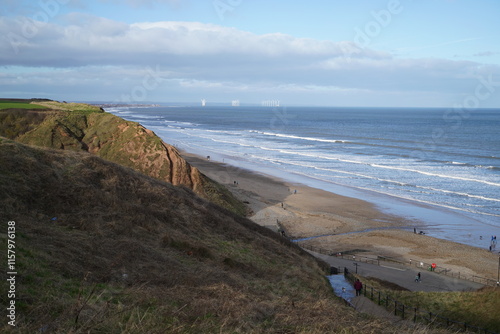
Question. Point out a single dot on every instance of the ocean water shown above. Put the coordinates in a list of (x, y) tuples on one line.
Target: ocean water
[(438, 167)]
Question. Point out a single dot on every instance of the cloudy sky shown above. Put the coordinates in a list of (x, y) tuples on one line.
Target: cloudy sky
[(430, 53)]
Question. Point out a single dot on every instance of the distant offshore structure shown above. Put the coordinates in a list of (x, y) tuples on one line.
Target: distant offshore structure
[(270, 103), (203, 102), (235, 103)]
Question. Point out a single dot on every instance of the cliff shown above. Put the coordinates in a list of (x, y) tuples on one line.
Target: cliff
[(72, 126), (101, 248)]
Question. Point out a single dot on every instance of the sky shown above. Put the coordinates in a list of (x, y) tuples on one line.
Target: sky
[(376, 53)]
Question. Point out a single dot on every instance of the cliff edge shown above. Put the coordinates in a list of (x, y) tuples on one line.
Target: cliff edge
[(76, 126)]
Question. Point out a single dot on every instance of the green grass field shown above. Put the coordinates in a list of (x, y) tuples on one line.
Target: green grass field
[(19, 105), (85, 108)]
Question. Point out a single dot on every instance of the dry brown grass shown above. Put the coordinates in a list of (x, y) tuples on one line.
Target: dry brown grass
[(83, 127), (131, 254)]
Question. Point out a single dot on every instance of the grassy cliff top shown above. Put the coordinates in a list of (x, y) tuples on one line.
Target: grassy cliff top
[(12, 104), (34, 104), (71, 106)]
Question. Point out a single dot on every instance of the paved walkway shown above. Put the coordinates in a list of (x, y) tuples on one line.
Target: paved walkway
[(402, 275), (365, 305)]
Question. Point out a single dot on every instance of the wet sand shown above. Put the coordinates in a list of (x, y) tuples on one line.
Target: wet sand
[(303, 211)]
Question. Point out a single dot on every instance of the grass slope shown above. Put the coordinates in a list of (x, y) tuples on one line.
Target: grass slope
[(16, 122), (131, 254), (479, 308), (78, 126)]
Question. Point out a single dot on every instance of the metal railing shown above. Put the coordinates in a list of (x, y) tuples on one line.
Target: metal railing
[(412, 263), (415, 314)]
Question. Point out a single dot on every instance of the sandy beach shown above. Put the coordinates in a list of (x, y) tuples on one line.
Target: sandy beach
[(344, 223)]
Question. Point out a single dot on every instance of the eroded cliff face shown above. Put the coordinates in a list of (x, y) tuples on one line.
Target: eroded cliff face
[(129, 144)]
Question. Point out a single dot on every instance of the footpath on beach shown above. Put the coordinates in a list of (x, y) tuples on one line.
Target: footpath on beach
[(402, 275)]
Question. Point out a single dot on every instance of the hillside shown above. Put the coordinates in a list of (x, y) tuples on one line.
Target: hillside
[(101, 248), (77, 126)]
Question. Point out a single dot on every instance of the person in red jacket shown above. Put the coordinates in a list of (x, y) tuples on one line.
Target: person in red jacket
[(358, 286)]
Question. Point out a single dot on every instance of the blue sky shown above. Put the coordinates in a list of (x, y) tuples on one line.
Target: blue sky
[(429, 53)]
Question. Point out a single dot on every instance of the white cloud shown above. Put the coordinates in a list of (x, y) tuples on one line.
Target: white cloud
[(84, 37), (91, 52)]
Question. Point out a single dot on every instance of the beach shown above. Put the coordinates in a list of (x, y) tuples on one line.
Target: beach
[(340, 223)]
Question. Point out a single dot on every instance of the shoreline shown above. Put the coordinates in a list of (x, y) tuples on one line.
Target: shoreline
[(437, 221), (341, 223), (434, 218)]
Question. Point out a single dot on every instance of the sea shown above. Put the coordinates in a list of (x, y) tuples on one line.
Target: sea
[(438, 168)]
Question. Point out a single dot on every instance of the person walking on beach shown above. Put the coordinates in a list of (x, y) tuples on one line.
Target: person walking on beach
[(358, 286)]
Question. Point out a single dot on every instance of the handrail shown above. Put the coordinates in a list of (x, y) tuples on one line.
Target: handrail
[(404, 311), (411, 263)]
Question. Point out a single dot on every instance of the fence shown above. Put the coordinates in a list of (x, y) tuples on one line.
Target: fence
[(414, 314), (411, 262)]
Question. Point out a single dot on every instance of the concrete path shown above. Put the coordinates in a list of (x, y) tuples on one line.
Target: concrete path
[(402, 275), (365, 305)]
